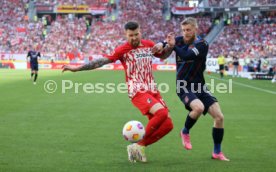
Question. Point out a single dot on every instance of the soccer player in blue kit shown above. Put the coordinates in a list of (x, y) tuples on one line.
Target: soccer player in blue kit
[(33, 55), (191, 52)]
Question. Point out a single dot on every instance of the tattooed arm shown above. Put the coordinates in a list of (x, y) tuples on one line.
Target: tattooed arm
[(89, 66), (167, 51), (163, 50)]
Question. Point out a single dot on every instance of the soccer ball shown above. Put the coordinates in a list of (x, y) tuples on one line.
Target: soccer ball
[(133, 131)]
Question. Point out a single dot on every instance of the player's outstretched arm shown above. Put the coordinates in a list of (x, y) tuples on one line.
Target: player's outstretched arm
[(163, 50), (166, 52), (89, 66)]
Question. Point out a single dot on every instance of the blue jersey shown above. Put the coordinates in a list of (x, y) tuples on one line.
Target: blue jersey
[(33, 56), (191, 60)]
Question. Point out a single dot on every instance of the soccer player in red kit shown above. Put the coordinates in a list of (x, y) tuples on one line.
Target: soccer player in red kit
[(136, 57)]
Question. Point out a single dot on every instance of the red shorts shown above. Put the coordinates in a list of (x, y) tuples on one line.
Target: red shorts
[(144, 101)]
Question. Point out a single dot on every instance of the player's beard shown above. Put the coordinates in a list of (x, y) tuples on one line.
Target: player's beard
[(190, 40), (135, 43)]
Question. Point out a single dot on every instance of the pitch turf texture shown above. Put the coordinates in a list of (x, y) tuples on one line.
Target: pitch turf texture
[(82, 132)]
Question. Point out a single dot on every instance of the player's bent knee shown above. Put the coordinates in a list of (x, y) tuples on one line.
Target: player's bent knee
[(198, 109), (162, 114), (219, 118), (167, 125)]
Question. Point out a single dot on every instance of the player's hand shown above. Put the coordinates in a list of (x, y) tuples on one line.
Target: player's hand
[(157, 48), (171, 39), (69, 68)]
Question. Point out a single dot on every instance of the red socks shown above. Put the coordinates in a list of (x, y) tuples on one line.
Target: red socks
[(158, 126)]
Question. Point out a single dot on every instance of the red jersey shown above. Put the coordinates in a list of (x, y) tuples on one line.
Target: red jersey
[(137, 63)]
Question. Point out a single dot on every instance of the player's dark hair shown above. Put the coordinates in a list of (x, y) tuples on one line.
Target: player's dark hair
[(131, 25)]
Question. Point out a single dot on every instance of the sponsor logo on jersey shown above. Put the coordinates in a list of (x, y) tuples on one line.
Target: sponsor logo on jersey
[(143, 55)]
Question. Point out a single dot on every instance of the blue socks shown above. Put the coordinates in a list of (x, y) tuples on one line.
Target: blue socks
[(217, 148), (189, 123), (185, 131), (217, 138)]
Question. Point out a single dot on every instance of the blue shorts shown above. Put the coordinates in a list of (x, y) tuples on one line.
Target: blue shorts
[(34, 66), (204, 96)]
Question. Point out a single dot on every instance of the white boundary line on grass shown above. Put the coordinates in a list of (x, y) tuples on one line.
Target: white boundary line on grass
[(245, 85)]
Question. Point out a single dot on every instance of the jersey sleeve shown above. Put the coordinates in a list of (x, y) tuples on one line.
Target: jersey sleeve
[(116, 55), (151, 44), (200, 50)]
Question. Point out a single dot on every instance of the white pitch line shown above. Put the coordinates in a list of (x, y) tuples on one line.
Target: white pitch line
[(245, 85)]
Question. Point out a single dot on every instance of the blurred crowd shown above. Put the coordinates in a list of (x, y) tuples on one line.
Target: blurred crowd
[(222, 3), (231, 3), (66, 35), (17, 33), (73, 2), (246, 40), (212, 3), (249, 36), (107, 35), (264, 2), (71, 37)]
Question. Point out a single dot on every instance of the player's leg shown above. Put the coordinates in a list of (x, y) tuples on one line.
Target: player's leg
[(35, 76), (158, 126), (35, 73), (131, 152), (162, 131), (195, 107), (212, 107), (153, 108), (32, 74), (221, 68), (32, 70), (157, 114), (234, 71), (218, 131), (165, 127)]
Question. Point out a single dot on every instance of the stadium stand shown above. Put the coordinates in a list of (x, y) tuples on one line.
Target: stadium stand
[(222, 3), (66, 35), (154, 28), (253, 40), (251, 35)]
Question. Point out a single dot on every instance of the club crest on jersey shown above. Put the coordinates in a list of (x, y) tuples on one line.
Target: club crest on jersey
[(186, 99)]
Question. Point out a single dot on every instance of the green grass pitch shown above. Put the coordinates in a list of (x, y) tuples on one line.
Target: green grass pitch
[(82, 131)]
